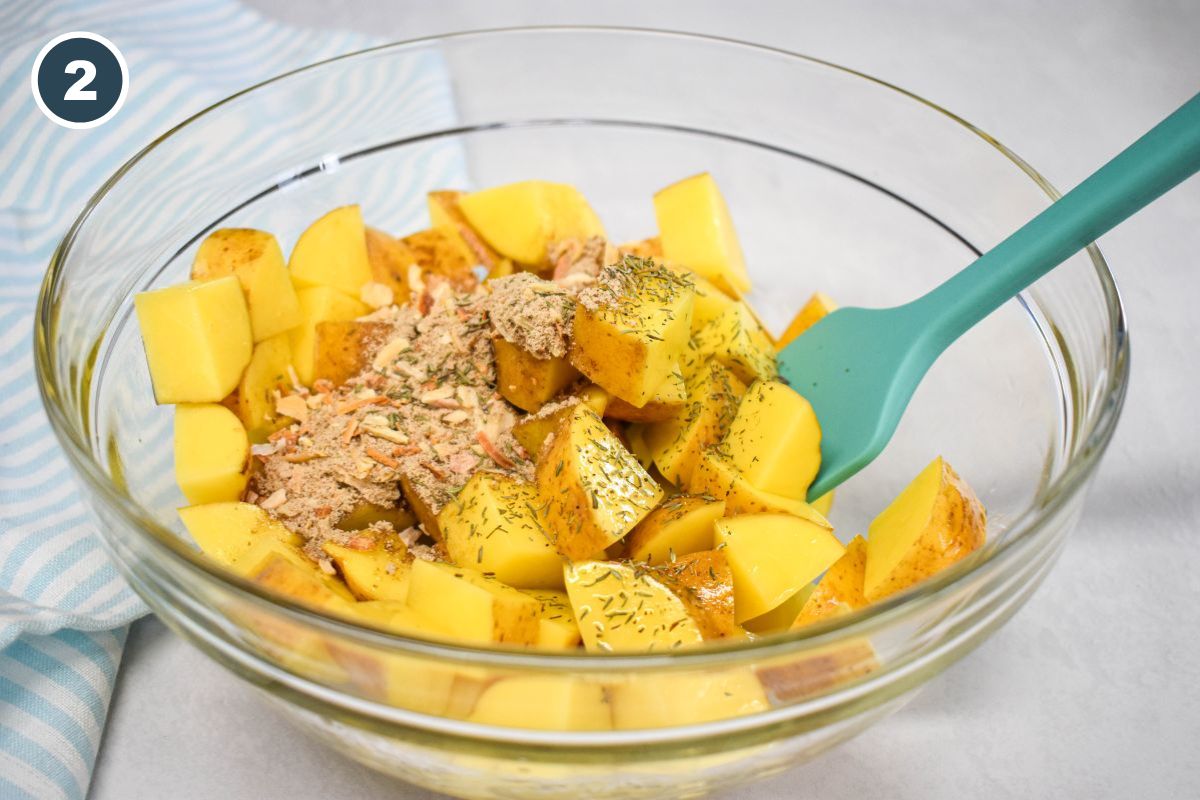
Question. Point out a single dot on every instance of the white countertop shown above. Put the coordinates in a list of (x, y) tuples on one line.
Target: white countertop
[(1091, 690)]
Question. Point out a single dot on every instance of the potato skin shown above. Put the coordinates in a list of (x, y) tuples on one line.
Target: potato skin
[(526, 381), (704, 582), (437, 253), (390, 260), (345, 348)]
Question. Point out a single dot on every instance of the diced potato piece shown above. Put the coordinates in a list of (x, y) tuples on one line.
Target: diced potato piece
[(677, 444), (302, 583), (669, 699), (666, 402), (935, 522), (635, 435), (772, 557), (643, 248), (520, 219), (254, 399), (525, 380), (420, 506), (465, 605), (824, 503), (622, 608), (840, 589), (592, 489), (255, 259), (440, 254), (782, 616), (775, 440), (318, 304), (447, 217), (197, 339), (697, 232), (332, 252), (389, 260), (229, 532), (812, 312), (632, 329), (704, 582), (710, 302), (736, 339), (492, 526), (344, 348), (400, 681), (813, 672), (681, 525), (364, 515), (376, 569), (715, 476), (212, 453), (557, 628), (534, 429), (391, 615), (547, 702)]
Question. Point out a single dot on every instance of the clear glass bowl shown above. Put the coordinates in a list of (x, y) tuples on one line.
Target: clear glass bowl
[(837, 182)]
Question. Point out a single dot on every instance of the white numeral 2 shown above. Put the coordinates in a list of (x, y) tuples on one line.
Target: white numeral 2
[(77, 90)]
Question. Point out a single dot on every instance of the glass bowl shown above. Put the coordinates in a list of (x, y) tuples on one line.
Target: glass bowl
[(837, 182)]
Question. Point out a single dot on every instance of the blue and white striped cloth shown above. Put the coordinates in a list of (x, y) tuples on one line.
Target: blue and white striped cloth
[(64, 610)]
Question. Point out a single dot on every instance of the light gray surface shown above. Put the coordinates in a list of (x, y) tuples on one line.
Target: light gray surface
[(1091, 690)]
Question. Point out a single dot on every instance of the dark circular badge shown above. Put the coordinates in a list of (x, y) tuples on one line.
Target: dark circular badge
[(80, 80)]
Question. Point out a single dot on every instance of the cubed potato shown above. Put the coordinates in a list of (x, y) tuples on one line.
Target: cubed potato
[(775, 440), (318, 304), (697, 232), (532, 431), (631, 331), (332, 252), (546, 702), (935, 522), (420, 506), (593, 491), (840, 589), (197, 339), (666, 402), (738, 340), (816, 671), (212, 453), (344, 348), (650, 247), (812, 312), (375, 568), (466, 605), (439, 254), (254, 399), (710, 301), (492, 525), (622, 608), (389, 260), (447, 217), (230, 532), (704, 582), (255, 259), (824, 503), (364, 515), (635, 436), (394, 616), (520, 219), (677, 444), (526, 381), (782, 616), (557, 627), (715, 476), (772, 557), (400, 681), (296, 582), (685, 698), (681, 525)]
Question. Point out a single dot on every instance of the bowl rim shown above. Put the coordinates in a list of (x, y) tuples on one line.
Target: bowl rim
[(1022, 528)]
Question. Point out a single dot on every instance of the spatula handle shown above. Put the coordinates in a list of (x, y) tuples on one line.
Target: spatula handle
[(1151, 166)]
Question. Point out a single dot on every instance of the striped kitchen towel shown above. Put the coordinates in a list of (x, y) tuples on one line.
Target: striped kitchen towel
[(64, 610)]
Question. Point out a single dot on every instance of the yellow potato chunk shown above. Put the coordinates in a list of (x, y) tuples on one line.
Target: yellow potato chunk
[(710, 301), (254, 399), (400, 681), (420, 506), (534, 429), (715, 476), (318, 304), (212, 453), (439, 254), (557, 628), (466, 605), (782, 616), (546, 702), (635, 436), (665, 403), (364, 515), (622, 608), (697, 232), (812, 312), (520, 219), (775, 440), (344, 348), (840, 589), (677, 444), (492, 526), (681, 525), (332, 252), (255, 259), (813, 672), (592, 489), (824, 503), (688, 698), (772, 557), (704, 583), (526, 381), (632, 328), (391, 615), (376, 568), (231, 533), (298, 582), (389, 260), (446, 216), (197, 339), (935, 522), (738, 340)]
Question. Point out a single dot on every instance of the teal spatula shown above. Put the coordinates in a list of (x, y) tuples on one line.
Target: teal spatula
[(859, 367)]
